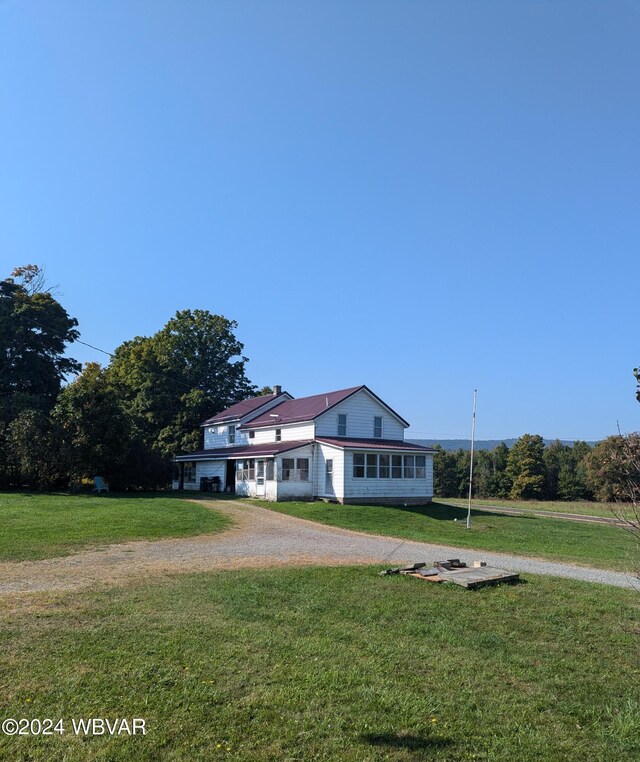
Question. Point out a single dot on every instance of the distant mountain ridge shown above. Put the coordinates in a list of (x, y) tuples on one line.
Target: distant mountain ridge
[(451, 445)]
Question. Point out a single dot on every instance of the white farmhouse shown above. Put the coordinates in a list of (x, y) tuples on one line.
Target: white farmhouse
[(346, 446)]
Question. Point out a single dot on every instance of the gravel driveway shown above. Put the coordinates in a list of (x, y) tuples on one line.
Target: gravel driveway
[(258, 538)]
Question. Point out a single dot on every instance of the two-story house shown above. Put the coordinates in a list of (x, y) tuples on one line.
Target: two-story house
[(346, 446)]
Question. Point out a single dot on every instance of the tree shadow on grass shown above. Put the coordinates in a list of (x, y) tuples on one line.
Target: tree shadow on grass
[(446, 512), (402, 741)]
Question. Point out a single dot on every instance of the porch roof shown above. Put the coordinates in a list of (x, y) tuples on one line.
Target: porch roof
[(396, 445), (244, 451)]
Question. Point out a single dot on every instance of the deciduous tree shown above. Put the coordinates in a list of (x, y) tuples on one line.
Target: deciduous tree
[(525, 468), (189, 370)]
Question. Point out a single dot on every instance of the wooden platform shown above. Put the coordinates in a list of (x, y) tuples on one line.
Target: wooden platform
[(476, 577)]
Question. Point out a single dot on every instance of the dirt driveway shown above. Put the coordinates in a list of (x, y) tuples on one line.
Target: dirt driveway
[(258, 538)]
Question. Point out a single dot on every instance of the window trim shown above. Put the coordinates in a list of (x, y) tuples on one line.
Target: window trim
[(295, 473)]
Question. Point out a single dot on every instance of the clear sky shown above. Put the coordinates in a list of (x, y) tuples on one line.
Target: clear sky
[(421, 196)]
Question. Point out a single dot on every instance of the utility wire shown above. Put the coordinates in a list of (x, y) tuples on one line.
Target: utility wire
[(53, 329)]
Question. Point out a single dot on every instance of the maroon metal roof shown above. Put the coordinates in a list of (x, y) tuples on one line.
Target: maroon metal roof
[(350, 443), (252, 451), (240, 409), (302, 409)]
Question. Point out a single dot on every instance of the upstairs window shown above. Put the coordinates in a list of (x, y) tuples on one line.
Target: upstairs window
[(377, 427), (231, 434), (342, 424), (252, 435), (278, 435)]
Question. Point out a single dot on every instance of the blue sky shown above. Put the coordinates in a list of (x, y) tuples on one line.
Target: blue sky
[(425, 197)]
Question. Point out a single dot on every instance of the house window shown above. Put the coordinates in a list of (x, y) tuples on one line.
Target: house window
[(270, 470), (302, 469), (377, 427), (358, 465), (409, 464), (295, 469), (342, 424), (372, 466), (384, 467), (278, 435), (231, 434), (252, 435), (421, 462), (189, 472), (288, 469), (396, 466), (246, 470)]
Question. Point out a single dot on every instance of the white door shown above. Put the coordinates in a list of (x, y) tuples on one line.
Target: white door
[(260, 491), (328, 477)]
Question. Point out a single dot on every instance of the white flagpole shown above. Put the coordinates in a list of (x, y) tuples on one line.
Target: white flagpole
[(473, 437)]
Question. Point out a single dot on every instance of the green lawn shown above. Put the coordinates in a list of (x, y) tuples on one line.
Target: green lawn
[(587, 544), (582, 508), (328, 664), (38, 526)]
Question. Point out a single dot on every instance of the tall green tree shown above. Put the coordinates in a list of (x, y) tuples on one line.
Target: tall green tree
[(445, 478), (95, 429), (613, 468), (35, 330), (173, 380), (33, 453), (525, 468), (489, 477)]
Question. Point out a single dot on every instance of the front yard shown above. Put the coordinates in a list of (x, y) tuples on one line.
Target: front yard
[(327, 664), (442, 523), (38, 526)]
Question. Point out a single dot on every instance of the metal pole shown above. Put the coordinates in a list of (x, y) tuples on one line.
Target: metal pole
[(473, 438)]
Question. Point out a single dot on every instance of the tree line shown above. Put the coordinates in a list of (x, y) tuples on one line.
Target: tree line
[(61, 423), (531, 470)]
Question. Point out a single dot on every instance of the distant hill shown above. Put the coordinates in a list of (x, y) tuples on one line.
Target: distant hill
[(481, 444)]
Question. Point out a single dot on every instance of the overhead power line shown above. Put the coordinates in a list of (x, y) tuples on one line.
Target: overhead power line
[(53, 329)]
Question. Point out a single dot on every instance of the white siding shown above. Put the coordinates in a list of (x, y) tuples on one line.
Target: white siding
[(360, 409), (277, 489), (210, 468), (218, 436), (292, 433), (291, 490), (391, 488), (324, 453)]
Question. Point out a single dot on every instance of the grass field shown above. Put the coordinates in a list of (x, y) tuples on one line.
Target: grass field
[(328, 664), (587, 544), (582, 508), (43, 526)]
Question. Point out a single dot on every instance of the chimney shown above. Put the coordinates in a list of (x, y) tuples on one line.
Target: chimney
[(277, 390)]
